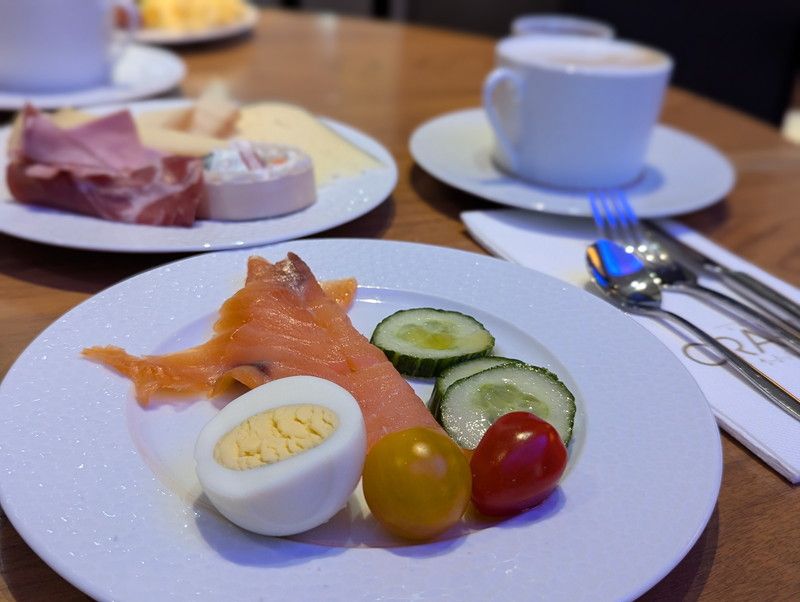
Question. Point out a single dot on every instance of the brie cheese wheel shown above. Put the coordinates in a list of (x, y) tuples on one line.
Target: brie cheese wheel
[(249, 180)]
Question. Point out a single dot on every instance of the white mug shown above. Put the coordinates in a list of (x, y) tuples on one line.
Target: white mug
[(57, 45), (572, 111)]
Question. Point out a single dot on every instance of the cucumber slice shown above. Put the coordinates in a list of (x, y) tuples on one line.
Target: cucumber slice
[(425, 341), (459, 371), (472, 404)]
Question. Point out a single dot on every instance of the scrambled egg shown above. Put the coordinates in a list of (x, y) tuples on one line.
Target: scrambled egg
[(190, 15)]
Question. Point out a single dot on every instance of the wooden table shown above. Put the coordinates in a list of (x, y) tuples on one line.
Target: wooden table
[(385, 79)]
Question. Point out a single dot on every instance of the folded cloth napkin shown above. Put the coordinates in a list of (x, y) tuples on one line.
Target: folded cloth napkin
[(556, 246)]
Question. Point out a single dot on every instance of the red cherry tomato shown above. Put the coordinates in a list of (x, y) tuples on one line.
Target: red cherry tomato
[(516, 465)]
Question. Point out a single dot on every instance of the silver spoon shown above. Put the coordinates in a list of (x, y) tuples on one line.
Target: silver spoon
[(678, 277), (629, 284), (774, 304)]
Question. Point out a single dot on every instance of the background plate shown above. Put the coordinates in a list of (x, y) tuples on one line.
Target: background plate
[(642, 482), (141, 72), (337, 203)]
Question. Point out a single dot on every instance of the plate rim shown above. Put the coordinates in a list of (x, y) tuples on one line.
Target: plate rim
[(14, 101), (58, 562), (476, 113), (389, 164)]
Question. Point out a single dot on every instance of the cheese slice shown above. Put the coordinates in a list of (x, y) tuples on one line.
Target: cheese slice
[(153, 132), (211, 115), (70, 118), (281, 123), (16, 133), (214, 114), (173, 142), (168, 119)]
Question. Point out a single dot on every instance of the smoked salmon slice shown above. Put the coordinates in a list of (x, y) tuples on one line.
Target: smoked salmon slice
[(281, 323)]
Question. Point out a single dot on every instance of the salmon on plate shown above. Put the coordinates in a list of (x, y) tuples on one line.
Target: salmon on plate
[(281, 323)]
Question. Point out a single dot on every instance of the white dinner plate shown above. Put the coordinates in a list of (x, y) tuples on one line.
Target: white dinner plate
[(105, 492), (338, 202), (140, 72), (681, 174), (166, 37)]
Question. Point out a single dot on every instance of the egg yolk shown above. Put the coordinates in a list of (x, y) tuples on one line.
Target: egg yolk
[(275, 435)]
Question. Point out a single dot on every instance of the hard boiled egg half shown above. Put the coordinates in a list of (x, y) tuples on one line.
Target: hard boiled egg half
[(284, 457)]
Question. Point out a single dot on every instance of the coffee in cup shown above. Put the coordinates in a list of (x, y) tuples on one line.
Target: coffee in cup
[(572, 111), (57, 45)]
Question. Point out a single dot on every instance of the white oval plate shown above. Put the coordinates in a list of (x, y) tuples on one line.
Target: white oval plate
[(166, 37), (337, 203), (83, 468), (681, 174), (140, 72)]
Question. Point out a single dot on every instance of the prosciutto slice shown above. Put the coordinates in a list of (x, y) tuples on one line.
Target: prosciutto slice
[(101, 169)]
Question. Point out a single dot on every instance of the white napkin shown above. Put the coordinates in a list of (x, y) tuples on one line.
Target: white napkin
[(556, 246)]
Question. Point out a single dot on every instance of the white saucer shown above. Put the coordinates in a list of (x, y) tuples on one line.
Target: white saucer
[(167, 37), (140, 72), (682, 173)]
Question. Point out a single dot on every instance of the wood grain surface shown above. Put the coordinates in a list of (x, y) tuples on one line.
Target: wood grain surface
[(386, 79)]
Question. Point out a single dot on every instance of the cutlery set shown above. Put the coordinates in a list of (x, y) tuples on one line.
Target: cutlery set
[(632, 264)]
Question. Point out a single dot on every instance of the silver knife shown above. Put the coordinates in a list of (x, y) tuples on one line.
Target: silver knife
[(765, 297)]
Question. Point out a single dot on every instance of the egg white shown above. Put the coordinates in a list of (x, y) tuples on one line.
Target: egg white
[(300, 492)]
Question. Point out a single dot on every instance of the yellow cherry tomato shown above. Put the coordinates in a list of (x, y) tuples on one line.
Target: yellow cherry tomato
[(417, 483)]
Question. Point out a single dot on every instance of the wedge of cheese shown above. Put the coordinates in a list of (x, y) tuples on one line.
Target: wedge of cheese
[(281, 123)]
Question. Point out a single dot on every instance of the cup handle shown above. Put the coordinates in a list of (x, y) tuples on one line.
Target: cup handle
[(132, 24), (505, 138)]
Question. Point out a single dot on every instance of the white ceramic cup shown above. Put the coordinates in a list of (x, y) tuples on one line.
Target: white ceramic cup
[(57, 45), (572, 111), (553, 24)]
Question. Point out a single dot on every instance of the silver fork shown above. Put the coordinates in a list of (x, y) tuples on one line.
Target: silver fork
[(616, 220)]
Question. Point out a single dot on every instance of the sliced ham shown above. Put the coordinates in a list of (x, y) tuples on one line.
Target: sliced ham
[(101, 169)]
